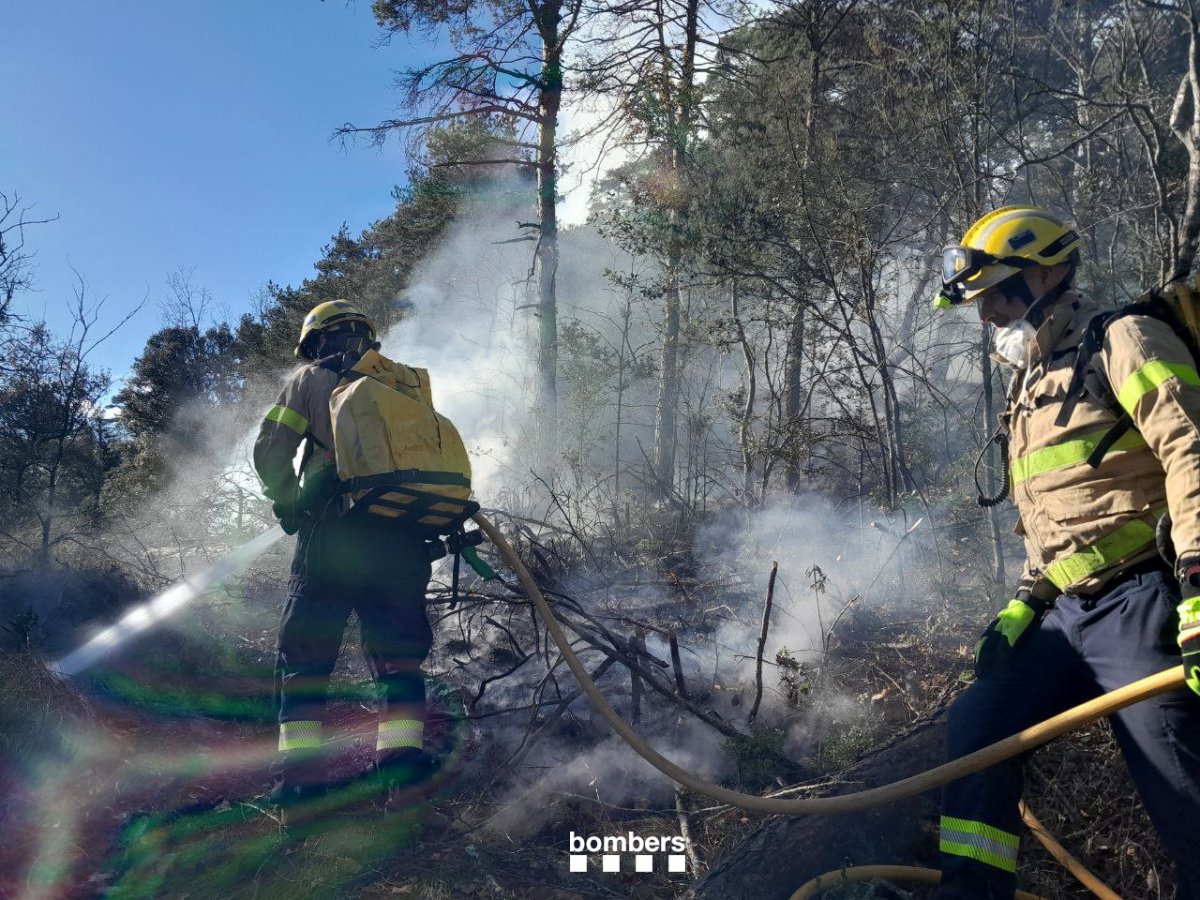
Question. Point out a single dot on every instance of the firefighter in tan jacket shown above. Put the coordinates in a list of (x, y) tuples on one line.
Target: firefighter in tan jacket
[(1097, 605), (342, 563)]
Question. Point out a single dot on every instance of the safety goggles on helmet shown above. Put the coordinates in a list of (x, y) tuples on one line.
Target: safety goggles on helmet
[(961, 264), (1012, 286)]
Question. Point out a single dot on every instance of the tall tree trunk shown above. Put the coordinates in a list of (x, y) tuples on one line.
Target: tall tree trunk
[(794, 396), (745, 434), (795, 355), (668, 381), (623, 365), (1185, 123), (895, 457), (549, 17), (679, 101)]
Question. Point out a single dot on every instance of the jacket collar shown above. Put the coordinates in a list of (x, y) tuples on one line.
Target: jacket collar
[(1063, 326)]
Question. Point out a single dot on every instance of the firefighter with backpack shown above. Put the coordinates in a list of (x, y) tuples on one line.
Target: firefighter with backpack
[(381, 474), (1102, 433)]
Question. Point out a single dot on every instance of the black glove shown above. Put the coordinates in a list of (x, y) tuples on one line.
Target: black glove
[(287, 514), (1000, 637), (319, 488)]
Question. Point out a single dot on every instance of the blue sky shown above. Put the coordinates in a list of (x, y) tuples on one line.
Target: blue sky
[(190, 134)]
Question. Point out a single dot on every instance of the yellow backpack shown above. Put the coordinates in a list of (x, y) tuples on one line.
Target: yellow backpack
[(396, 456)]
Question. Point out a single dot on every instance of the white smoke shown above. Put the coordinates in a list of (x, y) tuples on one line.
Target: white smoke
[(830, 564), (609, 772), (467, 327)]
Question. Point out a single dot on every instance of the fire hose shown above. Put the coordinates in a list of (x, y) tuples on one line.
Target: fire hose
[(853, 874), (1034, 736)]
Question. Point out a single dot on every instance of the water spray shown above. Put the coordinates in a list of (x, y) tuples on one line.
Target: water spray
[(161, 607)]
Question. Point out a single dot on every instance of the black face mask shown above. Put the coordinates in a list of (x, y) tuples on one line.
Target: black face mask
[(1016, 288)]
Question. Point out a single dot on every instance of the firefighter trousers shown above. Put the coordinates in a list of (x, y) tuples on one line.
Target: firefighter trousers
[(1084, 647), (345, 564)]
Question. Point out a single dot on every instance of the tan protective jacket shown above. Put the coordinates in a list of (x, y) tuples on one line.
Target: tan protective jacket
[(302, 411), (1083, 525)]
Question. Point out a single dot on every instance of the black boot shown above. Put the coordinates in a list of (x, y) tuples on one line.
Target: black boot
[(405, 772), (297, 804), (297, 785), (971, 884)]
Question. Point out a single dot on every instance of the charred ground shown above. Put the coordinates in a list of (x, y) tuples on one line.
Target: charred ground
[(146, 776)]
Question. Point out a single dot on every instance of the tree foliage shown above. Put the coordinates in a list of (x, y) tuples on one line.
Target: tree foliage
[(56, 448)]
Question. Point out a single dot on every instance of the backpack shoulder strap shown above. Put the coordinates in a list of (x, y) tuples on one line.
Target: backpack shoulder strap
[(1150, 304), (1086, 380), (1089, 344)]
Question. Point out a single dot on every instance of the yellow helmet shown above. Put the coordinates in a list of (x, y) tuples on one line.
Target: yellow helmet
[(330, 317), (998, 246)]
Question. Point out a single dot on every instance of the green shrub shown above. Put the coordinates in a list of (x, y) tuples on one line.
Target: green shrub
[(758, 757)]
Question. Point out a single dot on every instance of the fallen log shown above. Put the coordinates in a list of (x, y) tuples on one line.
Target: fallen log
[(786, 851)]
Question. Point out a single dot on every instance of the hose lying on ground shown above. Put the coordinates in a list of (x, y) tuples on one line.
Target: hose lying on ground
[(932, 876), (1035, 736), (869, 873), (1060, 853)]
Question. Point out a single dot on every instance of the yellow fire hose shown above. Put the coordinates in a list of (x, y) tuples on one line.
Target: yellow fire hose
[(867, 873), (1060, 853), (854, 874), (1169, 679)]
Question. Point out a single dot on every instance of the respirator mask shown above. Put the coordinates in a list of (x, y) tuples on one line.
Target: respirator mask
[(1014, 342)]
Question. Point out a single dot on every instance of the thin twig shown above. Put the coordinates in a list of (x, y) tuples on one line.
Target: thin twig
[(878, 572), (685, 831), (762, 643), (677, 665)]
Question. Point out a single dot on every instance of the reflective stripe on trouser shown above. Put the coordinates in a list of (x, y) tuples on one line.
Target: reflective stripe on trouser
[(397, 733), (979, 841), (300, 735)]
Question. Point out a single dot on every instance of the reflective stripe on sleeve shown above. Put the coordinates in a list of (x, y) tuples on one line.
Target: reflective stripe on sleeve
[(1125, 540), (1149, 377), (980, 842), (398, 733), (299, 735), (1068, 453), (289, 418)]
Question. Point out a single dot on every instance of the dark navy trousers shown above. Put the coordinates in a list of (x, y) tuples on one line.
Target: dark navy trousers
[(1084, 647), (343, 564)]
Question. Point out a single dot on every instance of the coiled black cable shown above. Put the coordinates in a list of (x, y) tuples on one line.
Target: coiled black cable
[(1001, 438)]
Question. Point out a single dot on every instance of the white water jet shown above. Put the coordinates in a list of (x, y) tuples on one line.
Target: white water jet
[(162, 606)]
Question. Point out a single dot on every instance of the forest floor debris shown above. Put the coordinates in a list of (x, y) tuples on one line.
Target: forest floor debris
[(128, 785)]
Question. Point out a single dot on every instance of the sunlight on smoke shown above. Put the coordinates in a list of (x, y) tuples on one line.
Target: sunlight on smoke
[(162, 606)]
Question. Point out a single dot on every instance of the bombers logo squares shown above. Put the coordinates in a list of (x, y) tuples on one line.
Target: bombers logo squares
[(613, 847)]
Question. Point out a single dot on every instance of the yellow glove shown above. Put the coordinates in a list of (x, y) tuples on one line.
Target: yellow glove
[(1001, 636)]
